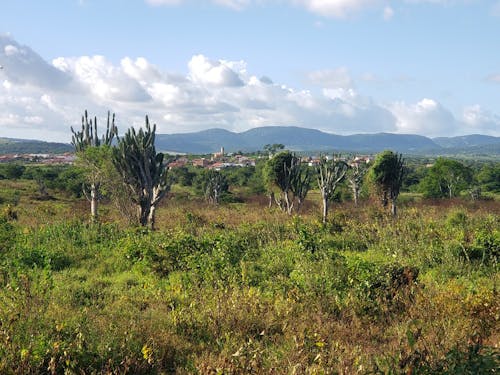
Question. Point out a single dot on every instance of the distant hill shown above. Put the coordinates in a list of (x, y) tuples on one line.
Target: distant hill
[(466, 141), (25, 146), (294, 138)]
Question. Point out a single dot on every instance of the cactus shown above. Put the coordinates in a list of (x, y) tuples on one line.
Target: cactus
[(330, 174), (84, 139), (143, 171)]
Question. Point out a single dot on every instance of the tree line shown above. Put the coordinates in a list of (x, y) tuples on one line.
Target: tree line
[(136, 176)]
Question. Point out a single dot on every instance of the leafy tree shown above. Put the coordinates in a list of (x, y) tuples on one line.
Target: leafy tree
[(285, 172), (13, 171), (330, 173), (489, 177), (446, 178), (272, 149), (355, 177), (182, 175), (387, 174), (86, 142), (142, 170)]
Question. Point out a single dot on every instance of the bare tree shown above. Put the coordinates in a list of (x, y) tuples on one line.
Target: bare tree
[(355, 178)]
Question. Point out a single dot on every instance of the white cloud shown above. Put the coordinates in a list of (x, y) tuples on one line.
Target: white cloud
[(214, 93), (388, 13), (479, 120), (336, 8), (324, 8), (426, 117), (217, 73)]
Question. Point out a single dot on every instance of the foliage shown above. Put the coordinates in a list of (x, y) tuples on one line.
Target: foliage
[(240, 289), (143, 171), (93, 153), (284, 171), (387, 174), (446, 178), (330, 173)]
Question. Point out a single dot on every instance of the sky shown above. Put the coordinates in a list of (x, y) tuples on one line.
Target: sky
[(428, 67)]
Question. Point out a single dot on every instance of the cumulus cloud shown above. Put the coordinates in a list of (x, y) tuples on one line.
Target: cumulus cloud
[(426, 117), (21, 65), (213, 93), (479, 120), (216, 73)]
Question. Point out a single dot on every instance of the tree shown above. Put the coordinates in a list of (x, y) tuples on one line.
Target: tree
[(489, 177), (13, 171), (272, 149), (355, 176), (387, 174), (86, 142), (300, 182), (446, 178), (215, 184), (330, 173), (285, 172), (143, 171)]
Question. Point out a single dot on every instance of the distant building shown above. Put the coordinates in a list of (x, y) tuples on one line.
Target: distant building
[(218, 155), (200, 162)]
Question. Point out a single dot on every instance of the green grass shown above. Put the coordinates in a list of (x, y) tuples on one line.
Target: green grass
[(239, 289)]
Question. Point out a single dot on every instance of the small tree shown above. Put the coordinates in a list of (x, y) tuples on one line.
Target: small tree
[(301, 182), (86, 141), (355, 177), (387, 174), (143, 171), (285, 172), (215, 184), (330, 174)]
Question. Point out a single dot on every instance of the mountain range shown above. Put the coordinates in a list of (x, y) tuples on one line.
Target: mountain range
[(303, 139), (294, 138)]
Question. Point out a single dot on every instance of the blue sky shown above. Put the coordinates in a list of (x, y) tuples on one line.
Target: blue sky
[(429, 67)]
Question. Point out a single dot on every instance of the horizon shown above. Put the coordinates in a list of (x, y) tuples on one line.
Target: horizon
[(275, 126), (344, 67)]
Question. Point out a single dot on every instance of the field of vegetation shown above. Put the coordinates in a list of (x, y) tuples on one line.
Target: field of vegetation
[(240, 288)]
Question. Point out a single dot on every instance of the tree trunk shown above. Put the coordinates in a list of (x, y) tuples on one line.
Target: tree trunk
[(94, 201), (325, 209), (152, 217), (144, 212), (355, 194), (393, 207), (271, 198), (289, 205)]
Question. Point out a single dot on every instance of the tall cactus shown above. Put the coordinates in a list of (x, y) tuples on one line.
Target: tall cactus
[(82, 141), (330, 174), (143, 171)]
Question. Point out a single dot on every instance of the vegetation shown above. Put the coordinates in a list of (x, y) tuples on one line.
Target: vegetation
[(387, 174), (143, 171), (237, 288), (93, 152), (330, 173)]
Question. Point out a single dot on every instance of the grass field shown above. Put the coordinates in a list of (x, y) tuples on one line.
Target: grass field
[(241, 289)]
